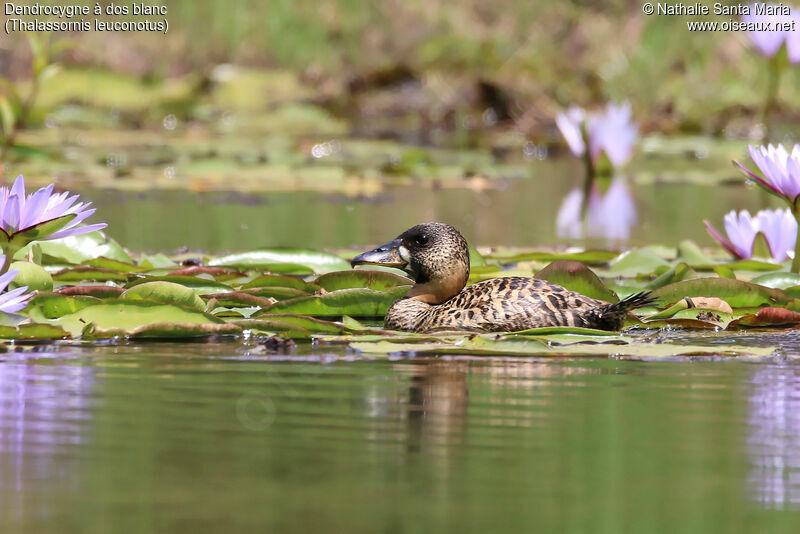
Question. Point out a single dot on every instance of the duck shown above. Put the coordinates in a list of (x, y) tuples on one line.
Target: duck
[(436, 257)]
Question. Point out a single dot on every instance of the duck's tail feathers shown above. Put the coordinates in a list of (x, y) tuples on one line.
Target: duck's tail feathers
[(612, 316)]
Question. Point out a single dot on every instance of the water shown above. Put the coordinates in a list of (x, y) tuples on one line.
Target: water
[(222, 437), (516, 213)]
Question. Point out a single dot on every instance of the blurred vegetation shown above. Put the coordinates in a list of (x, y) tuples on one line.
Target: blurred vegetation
[(521, 60)]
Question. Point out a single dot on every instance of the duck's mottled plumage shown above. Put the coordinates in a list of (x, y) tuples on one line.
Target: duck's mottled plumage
[(437, 258)]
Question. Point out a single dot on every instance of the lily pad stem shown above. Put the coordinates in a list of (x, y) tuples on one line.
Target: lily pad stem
[(589, 176), (775, 69), (796, 259), (8, 258)]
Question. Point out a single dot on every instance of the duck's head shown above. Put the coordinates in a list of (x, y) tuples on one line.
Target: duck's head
[(435, 255)]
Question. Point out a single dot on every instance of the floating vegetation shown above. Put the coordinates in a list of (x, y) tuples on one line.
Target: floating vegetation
[(93, 297)]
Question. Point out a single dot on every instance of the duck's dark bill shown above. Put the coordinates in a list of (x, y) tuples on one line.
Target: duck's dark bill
[(387, 255)]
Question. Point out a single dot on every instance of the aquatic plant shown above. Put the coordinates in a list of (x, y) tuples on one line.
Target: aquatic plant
[(777, 227), (15, 107), (610, 132), (15, 299), (610, 215), (770, 44), (781, 170), (39, 216)]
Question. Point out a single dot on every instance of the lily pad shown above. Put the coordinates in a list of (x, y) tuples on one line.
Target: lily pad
[(126, 315), (360, 302), (166, 292), (777, 280), (361, 278), (33, 331), (319, 262), (737, 293), (162, 331), (201, 286), (275, 292), (280, 322), (679, 272), (636, 262), (85, 273), (269, 280), (53, 305), (101, 292), (577, 277), (31, 275), (590, 257), (79, 248), (768, 317), (235, 299)]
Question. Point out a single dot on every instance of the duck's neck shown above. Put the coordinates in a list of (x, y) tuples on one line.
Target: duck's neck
[(441, 288)]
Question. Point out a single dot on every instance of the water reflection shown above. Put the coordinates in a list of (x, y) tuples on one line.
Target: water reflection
[(43, 413), (610, 215), (773, 442)]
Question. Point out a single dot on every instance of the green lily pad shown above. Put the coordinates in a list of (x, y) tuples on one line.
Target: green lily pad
[(46, 305), (85, 273), (162, 331), (319, 262), (590, 257), (360, 302), (31, 275), (280, 322), (201, 286), (114, 265), (166, 292), (80, 248), (361, 278), (778, 280), (233, 299), (679, 272), (269, 280), (690, 253), (33, 331), (636, 262), (221, 274), (737, 293), (127, 315), (577, 277), (475, 258), (275, 292)]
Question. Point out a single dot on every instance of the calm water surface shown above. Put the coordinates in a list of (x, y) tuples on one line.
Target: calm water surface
[(224, 437)]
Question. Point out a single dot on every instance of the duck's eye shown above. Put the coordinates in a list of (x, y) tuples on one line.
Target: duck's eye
[(422, 240)]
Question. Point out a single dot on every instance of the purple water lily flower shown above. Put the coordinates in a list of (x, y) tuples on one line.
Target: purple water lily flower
[(610, 215), (768, 43), (21, 212), (780, 168), (778, 227), (611, 132), (13, 300)]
